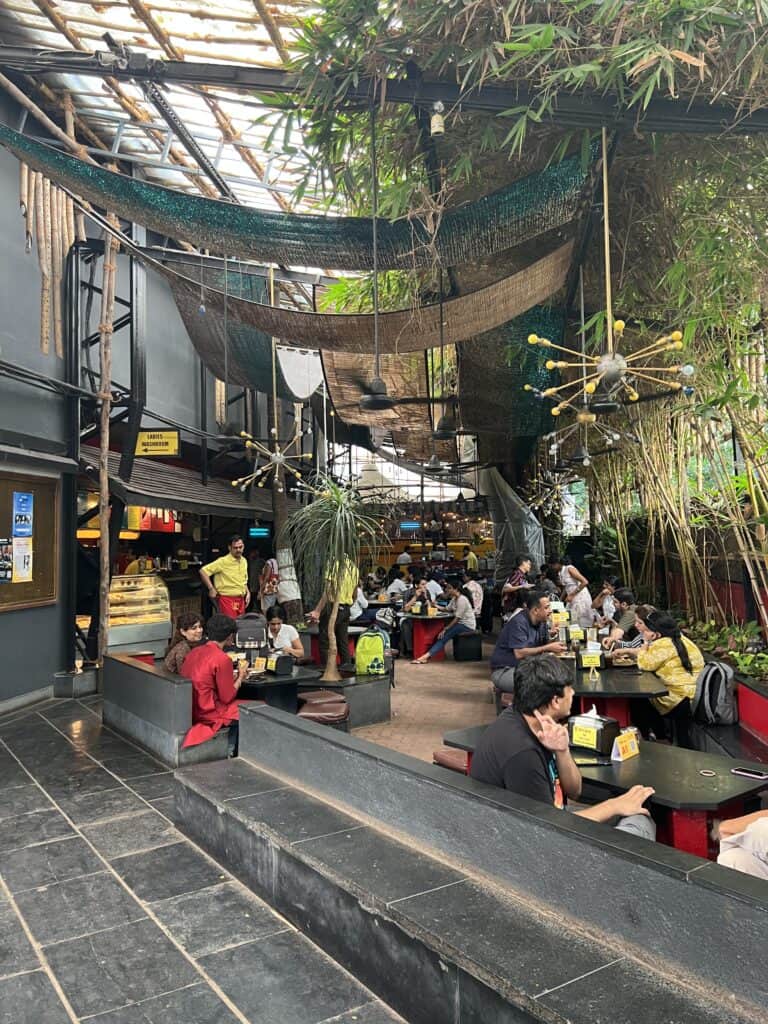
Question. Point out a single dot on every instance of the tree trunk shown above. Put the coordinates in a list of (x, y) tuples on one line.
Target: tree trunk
[(332, 674)]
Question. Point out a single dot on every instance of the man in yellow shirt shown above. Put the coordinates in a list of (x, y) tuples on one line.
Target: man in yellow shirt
[(226, 580), (344, 583), (470, 558)]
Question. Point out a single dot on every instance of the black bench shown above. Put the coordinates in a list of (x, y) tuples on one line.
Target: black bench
[(153, 708)]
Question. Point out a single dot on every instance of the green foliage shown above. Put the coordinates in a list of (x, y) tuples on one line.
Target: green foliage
[(328, 534), (398, 289), (603, 556)]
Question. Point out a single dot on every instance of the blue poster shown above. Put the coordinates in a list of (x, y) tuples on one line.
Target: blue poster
[(23, 514)]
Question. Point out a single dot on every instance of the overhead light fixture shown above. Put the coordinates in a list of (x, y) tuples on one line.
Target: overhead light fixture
[(434, 464), (437, 121), (376, 398), (445, 429)]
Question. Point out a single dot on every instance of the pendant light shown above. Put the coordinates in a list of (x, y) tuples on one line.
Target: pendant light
[(446, 425), (376, 398)]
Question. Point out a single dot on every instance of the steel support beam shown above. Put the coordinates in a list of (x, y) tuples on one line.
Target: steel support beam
[(589, 110)]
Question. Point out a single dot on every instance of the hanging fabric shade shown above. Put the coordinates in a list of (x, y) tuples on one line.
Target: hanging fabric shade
[(531, 206), (402, 331)]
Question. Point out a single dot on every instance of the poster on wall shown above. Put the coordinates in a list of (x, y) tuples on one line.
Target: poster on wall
[(22, 560), (23, 513), (6, 559)]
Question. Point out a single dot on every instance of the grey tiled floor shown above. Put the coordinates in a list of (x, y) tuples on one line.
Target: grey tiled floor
[(108, 914)]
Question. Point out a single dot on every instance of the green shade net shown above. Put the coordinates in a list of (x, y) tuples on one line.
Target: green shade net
[(493, 371), (238, 354), (529, 207)]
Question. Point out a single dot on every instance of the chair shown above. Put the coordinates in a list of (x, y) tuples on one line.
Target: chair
[(456, 760), (468, 646), (335, 715), (318, 697)]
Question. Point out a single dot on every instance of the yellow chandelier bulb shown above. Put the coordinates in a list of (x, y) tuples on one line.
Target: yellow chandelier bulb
[(548, 392), (618, 326), (527, 387), (555, 411), (676, 336), (590, 388), (550, 364), (633, 396), (533, 339)]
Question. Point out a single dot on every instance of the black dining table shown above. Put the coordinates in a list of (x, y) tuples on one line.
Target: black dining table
[(691, 787), (278, 691), (614, 689)]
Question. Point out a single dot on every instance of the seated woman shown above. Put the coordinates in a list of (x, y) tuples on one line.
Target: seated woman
[(189, 633), (463, 620), (282, 638), (360, 614), (677, 661)]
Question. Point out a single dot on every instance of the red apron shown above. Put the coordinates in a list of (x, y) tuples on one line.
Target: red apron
[(232, 606)]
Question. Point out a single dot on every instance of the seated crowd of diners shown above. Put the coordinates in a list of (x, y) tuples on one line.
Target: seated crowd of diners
[(526, 750)]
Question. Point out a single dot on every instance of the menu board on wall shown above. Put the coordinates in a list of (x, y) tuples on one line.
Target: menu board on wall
[(29, 532)]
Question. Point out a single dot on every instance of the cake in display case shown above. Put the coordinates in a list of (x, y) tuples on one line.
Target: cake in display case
[(139, 614)]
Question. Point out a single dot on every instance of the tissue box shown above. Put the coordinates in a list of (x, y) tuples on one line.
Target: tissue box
[(593, 732), (586, 660), (280, 664)]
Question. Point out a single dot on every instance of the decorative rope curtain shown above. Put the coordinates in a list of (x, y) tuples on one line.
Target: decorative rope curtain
[(402, 331), (531, 206)]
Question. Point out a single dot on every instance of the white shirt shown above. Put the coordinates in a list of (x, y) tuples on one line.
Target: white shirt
[(434, 589), (477, 594), (284, 638), (463, 611), (403, 559), (358, 605), (396, 587)]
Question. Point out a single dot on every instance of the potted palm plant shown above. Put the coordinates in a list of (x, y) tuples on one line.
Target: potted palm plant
[(327, 536)]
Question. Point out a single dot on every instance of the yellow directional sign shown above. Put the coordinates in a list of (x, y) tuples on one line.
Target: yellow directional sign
[(157, 442)]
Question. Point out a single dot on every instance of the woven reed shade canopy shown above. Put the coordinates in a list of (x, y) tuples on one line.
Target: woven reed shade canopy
[(347, 376), (401, 331)]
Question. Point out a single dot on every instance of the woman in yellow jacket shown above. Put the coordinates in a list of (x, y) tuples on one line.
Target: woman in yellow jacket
[(677, 661)]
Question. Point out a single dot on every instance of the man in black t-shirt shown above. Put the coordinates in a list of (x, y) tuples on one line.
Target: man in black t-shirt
[(526, 749)]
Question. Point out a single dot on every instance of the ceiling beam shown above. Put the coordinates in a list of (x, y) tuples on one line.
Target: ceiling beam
[(588, 110)]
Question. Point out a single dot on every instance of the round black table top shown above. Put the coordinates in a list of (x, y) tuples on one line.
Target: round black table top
[(299, 674), (673, 772), (422, 615)]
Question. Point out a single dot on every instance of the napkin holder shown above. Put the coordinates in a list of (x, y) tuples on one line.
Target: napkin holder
[(593, 732), (587, 661), (280, 664)]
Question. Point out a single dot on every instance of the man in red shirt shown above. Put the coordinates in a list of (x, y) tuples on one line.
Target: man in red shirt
[(214, 685)]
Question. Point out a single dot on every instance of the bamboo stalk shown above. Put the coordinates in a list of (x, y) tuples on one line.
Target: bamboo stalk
[(56, 267), (42, 199)]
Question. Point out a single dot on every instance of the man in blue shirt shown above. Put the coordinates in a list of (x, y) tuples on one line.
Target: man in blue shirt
[(525, 635)]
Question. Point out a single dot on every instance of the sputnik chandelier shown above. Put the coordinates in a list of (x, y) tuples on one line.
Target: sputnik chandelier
[(287, 459), (611, 378)]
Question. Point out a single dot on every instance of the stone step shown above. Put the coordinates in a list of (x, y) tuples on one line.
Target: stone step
[(432, 941)]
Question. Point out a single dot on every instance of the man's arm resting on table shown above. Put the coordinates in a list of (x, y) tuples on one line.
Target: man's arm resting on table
[(528, 652), (623, 806)]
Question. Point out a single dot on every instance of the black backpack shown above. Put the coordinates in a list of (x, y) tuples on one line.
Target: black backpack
[(715, 700)]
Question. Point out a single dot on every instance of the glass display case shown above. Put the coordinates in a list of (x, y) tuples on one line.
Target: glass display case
[(139, 614)]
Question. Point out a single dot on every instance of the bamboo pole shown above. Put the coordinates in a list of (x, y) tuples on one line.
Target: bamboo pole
[(105, 362), (56, 268)]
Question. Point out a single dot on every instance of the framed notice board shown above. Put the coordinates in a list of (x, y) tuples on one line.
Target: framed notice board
[(29, 540)]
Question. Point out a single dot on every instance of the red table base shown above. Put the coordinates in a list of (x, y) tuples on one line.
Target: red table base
[(689, 831), (610, 707), (425, 632)]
